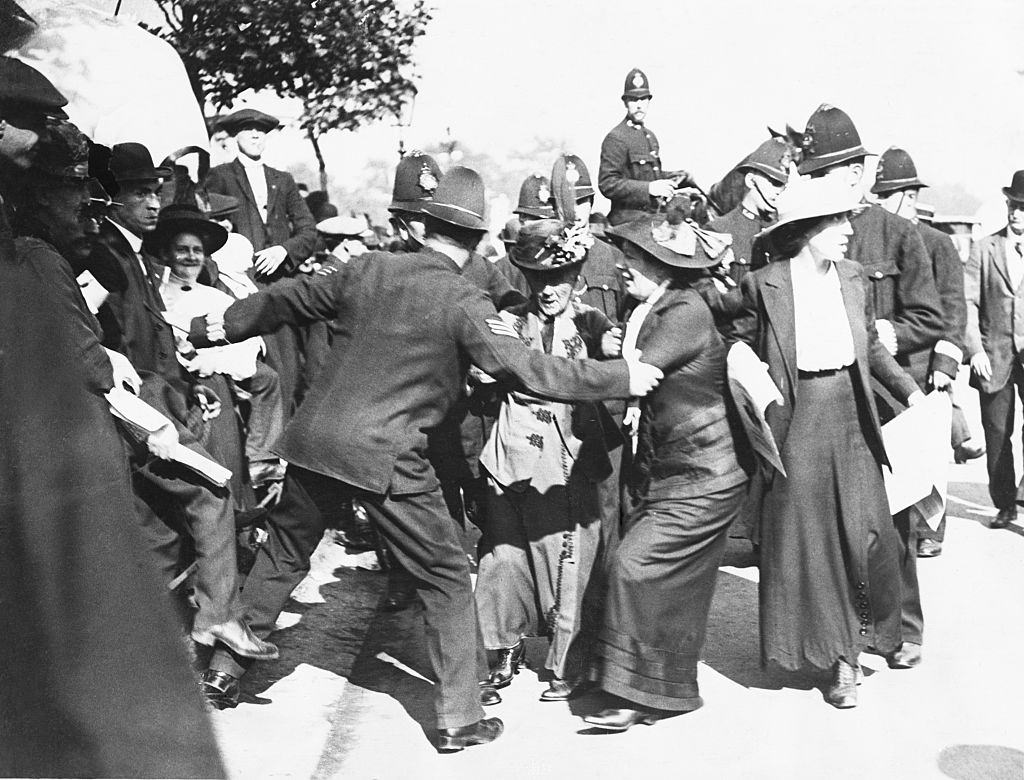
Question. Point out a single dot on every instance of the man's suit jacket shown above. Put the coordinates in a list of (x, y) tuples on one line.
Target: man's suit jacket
[(766, 324), (289, 222), (416, 325), (995, 311)]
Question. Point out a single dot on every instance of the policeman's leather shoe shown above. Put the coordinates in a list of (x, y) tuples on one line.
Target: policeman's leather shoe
[(1005, 516), (507, 667), (969, 450), (398, 599), (489, 695), (842, 692), (907, 657), (928, 548), (479, 733), (220, 689), (558, 690), (621, 718), (237, 635)]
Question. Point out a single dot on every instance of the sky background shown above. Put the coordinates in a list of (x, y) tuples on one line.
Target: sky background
[(942, 78)]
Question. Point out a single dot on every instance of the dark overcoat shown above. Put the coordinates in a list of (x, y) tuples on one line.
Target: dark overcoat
[(416, 325)]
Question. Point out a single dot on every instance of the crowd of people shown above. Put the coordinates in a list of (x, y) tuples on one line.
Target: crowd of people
[(184, 359)]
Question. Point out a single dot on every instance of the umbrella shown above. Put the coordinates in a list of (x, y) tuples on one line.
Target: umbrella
[(122, 82)]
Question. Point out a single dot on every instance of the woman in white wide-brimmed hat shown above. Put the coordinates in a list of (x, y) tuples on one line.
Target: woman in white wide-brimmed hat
[(830, 578)]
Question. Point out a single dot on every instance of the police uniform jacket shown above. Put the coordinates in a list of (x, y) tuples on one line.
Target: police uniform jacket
[(948, 270), (288, 223), (742, 227), (416, 325), (902, 286), (685, 445), (630, 160), (995, 311), (600, 284)]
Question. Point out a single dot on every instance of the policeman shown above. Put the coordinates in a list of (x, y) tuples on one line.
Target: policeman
[(906, 302), (764, 171), (416, 178), (534, 199), (897, 186), (630, 175)]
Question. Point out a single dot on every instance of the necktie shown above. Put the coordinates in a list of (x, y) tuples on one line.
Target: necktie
[(1016, 264)]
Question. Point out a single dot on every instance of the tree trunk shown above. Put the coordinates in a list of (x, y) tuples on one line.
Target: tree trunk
[(319, 158)]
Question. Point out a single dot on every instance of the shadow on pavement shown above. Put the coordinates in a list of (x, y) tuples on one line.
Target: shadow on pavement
[(981, 762), (733, 644)]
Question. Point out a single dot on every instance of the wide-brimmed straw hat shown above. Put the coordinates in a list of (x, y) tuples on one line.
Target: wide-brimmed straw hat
[(806, 198)]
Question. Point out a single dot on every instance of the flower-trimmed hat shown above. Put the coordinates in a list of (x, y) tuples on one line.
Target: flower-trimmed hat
[(550, 245), (673, 240)]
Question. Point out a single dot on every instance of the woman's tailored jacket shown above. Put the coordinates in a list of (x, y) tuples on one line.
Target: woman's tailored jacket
[(685, 445), (766, 324)]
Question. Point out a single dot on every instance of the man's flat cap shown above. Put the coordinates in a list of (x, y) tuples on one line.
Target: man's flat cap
[(24, 86), (234, 123)]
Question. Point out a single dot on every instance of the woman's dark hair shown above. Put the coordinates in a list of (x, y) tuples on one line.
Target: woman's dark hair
[(785, 242)]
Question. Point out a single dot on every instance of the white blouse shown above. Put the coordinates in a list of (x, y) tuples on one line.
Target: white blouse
[(823, 338)]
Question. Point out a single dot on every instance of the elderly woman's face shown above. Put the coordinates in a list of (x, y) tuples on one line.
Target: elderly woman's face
[(552, 290), (831, 240), (185, 256)]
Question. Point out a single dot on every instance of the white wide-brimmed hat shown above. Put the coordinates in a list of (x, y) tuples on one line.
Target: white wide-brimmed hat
[(809, 198)]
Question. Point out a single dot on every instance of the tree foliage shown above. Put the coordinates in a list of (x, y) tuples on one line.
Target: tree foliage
[(348, 61)]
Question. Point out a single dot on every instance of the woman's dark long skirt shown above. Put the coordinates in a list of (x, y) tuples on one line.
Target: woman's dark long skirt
[(661, 579), (830, 577)]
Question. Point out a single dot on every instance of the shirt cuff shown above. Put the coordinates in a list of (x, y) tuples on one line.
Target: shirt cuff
[(952, 351)]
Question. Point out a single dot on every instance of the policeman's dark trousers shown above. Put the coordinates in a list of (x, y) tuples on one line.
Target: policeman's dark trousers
[(420, 533), (911, 614), (997, 419)]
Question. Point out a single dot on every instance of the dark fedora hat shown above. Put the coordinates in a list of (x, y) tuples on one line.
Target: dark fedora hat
[(673, 241), (896, 171), (234, 123), (459, 199), (1015, 191), (830, 138), (772, 158), (636, 85), (221, 206), (181, 218), (133, 162), (550, 245), (416, 180), (535, 198), (576, 174)]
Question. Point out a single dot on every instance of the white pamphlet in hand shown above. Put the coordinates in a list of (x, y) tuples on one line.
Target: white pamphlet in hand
[(917, 445), (137, 412)]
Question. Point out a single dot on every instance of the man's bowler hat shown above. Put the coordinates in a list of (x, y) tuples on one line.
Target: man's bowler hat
[(133, 162), (535, 198), (459, 199), (896, 171), (636, 86), (234, 123), (830, 138), (1015, 191), (181, 218), (416, 180)]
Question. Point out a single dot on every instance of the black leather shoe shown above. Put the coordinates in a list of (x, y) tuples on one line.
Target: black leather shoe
[(907, 657), (928, 548), (507, 667), (479, 733), (399, 598), (489, 695), (842, 692), (558, 690), (1006, 516), (237, 635), (969, 450), (621, 718), (220, 689)]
